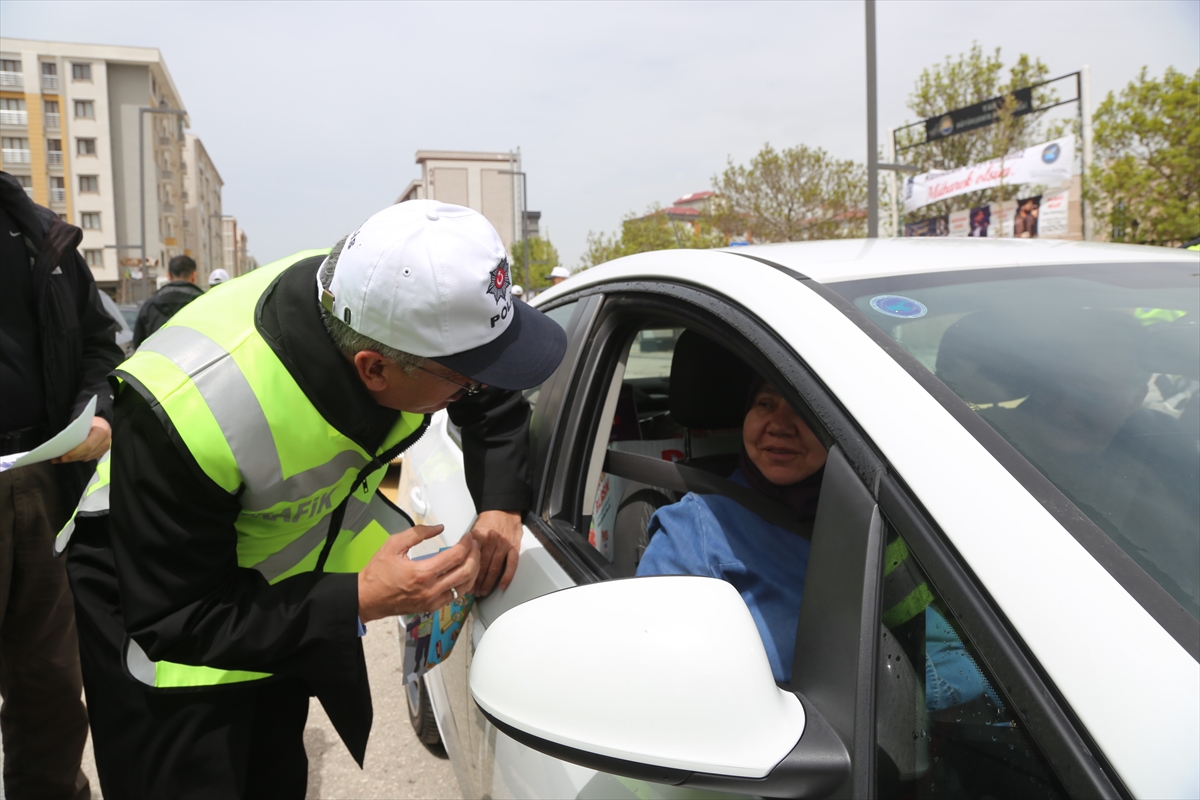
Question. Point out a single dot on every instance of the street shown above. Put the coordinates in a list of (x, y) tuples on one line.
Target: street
[(397, 765)]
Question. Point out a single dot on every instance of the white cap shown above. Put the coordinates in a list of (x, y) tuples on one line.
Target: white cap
[(560, 272), (426, 278), (517, 291), (217, 276), (432, 279)]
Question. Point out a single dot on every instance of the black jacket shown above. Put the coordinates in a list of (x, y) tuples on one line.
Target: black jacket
[(170, 535), (77, 336), (165, 304)]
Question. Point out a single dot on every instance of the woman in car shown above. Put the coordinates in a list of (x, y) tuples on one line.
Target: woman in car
[(717, 537)]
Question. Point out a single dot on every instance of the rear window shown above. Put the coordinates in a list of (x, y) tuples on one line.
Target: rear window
[(1091, 372)]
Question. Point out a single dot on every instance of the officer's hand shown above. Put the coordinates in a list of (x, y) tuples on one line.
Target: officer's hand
[(392, 583), (499, 536), (94, 446)]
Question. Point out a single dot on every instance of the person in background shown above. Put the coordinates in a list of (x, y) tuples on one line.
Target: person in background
[(54, 356), (167, 301), (518, 292), (558, 275), (217, 276)]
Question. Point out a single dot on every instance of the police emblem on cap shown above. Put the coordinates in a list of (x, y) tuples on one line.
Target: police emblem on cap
[(499, 281)]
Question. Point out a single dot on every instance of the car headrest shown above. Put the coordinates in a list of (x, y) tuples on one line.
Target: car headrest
[(708, 384)]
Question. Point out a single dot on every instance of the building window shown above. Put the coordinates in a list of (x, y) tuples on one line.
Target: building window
[(62, 216), (50, 109), (12, 111), (81, 72), (16, 150), (10, 73), (49, 75), (54, 156), (58, 189), (90, 220), (10, 65), (85, 147), (85, 109), (26, 182), (89, 183), (94, 258)]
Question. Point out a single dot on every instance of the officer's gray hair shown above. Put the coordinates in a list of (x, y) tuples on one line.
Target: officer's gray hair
[(349, 341)]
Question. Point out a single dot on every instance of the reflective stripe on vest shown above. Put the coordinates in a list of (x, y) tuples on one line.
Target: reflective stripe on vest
[(252, 430), (94, 502), (905, 591)]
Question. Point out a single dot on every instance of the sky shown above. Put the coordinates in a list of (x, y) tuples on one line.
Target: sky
[(313, 111)]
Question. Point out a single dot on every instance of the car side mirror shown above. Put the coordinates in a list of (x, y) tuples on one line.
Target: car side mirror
[(663, 679)]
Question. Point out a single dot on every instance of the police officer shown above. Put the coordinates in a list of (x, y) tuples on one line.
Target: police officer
[(228, 553)]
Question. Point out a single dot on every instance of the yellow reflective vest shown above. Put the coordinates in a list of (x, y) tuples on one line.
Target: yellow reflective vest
[(254, 432)]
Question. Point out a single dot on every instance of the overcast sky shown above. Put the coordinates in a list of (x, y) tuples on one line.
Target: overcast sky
[(313, 111)]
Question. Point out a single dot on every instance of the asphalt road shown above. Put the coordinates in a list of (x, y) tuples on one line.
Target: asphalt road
[(396, 766)]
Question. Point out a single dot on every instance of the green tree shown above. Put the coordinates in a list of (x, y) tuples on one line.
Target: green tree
[(543, 257), (1146, 177), (791, 195), (971, 78), (654, 230)]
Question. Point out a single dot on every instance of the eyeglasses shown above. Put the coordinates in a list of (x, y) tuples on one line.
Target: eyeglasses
[(470, 388)]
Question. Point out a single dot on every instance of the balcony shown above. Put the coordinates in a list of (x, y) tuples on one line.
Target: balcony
[(14, 156), (58, 195), (12, 80), (165, 141), (168, 208), (49, 83), (14, 117), (53, 119), (166, 175), (54, 158)]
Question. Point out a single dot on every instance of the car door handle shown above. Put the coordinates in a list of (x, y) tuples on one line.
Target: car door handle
[(418, 501)]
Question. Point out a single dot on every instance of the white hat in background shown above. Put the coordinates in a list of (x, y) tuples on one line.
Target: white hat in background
[(432, 279), (560, 272), (218, 276), (517, 291)]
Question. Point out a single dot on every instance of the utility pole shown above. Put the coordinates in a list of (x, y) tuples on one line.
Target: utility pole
[(1085, 124), (524, 219), (872, 129)]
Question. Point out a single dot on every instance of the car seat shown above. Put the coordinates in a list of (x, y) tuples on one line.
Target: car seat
[(708, 388)]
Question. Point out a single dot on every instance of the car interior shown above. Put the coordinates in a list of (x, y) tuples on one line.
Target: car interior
[(670, 423)]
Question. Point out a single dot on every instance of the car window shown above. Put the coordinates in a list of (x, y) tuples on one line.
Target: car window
[(562, 315), (637, 419), (944, 728), (1091, 373)]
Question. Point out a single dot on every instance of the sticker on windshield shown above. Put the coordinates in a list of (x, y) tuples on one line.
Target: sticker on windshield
[(896, 306)]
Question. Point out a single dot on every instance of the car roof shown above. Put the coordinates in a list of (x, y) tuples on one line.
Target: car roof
[(838, 260)]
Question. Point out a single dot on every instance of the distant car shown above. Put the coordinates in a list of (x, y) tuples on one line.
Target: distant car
[(1021, 416), (125, 315)]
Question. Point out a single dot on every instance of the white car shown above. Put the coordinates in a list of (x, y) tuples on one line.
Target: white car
[(1022, 416)]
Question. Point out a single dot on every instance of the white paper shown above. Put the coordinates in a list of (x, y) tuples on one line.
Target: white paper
[(67, 440)]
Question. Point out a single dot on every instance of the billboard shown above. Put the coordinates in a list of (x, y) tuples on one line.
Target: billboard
[(934, 226), (975, 116), (1049, 163)]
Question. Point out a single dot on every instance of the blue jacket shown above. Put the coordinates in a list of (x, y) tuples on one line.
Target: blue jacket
[(715, 536)]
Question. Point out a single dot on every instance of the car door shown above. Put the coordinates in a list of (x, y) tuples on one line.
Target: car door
[(1027, 741)]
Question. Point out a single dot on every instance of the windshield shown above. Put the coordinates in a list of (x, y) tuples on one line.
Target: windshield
[(1091, 373)]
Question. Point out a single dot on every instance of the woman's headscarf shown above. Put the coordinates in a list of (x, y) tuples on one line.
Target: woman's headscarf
[(800, 497)]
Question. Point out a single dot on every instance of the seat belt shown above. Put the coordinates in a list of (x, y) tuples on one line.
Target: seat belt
[(682, 478)]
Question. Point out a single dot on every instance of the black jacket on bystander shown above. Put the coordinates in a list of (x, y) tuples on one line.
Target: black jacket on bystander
[(75, 337)]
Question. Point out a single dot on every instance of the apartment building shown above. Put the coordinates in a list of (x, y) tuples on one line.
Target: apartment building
[(235, 254), (203, 238), (490, 183), (69, 121)]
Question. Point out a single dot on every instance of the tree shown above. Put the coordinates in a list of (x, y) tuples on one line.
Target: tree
[(654, 230), (799, 193), (543, 257), (1146, 177), (969, 79)]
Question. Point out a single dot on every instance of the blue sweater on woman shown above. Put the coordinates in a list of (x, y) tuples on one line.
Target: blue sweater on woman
[(715, 536)]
